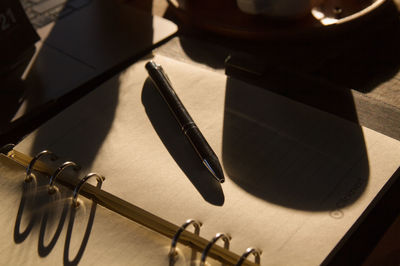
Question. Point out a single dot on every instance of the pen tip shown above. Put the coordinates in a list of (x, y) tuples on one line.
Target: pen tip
[(215, 169)]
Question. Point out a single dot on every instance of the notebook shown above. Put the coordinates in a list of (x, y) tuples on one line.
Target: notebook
[(297, 179), (83, 40)]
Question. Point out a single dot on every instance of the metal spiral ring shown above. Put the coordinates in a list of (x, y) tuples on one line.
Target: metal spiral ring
[(78, 187), (196, 224), (58, 171), (34, 160), (224, 237), (255, 251)]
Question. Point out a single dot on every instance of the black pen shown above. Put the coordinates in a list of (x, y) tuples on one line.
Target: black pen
[(192, 132)]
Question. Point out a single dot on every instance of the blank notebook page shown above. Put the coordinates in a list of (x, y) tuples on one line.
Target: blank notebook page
[(297, 178)]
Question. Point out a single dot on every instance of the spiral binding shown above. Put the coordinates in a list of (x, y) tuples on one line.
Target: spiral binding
[(34, 160), (225, 237), (58, 171), (172, 253), (78, 187), (255, 251), (44, 250)]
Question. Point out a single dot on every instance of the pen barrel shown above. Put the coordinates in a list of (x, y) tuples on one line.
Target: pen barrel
[(186, 122), (205, 152), (165, 89), (199, 143)]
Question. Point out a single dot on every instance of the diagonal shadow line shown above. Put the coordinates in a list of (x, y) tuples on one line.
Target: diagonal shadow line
[(85, 239)]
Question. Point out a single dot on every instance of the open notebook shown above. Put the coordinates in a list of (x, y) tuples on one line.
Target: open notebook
[(297, 179)]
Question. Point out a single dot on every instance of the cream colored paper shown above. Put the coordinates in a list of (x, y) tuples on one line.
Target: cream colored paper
[(106, 239), (296, 178)]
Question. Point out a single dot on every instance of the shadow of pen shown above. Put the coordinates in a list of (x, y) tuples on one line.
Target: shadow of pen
[(178, 146)]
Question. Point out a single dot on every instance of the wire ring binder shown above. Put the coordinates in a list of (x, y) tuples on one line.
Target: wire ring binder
[(196, 224), (99, 178), (34, 160), (58, 171), (255, 251), (126, 209), (226, 238)]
